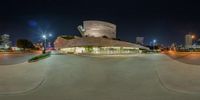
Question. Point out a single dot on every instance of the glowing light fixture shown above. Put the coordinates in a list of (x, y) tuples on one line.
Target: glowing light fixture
[(193, 36), (154, 41), (44, 36), (50, 35)]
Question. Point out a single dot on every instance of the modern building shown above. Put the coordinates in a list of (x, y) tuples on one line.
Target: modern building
[(188, 41), (5, 42), (173, 46), (16, 48), (97, 39), (140, 40), (97, 29), (196, 45)]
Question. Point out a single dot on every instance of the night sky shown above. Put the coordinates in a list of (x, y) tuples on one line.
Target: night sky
[(167, 21)]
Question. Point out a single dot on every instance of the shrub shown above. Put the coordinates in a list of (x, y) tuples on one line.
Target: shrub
[(39, 57)]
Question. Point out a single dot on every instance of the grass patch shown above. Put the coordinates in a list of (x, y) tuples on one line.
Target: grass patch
[(39, 57)]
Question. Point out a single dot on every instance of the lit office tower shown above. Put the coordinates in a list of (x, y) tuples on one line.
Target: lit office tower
[(140, 40), (188, 41), (5, 41)]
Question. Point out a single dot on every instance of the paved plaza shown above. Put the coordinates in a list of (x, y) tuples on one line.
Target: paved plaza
[(70, 77), (7, 59)]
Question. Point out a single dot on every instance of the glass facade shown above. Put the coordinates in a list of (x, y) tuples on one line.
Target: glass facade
[(101, 50)]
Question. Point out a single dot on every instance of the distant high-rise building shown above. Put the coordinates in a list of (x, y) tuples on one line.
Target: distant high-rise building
[(5, 41), (188, 41), (173, 47), (196, 44), (140, 40)]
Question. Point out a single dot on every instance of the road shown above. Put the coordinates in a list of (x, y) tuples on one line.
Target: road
[(69, 77), (8, 59)]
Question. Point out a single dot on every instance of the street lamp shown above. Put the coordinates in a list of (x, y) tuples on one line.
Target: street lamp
[(193, 36), (154, 43), (50, 35), (44, 36), (44, 43)]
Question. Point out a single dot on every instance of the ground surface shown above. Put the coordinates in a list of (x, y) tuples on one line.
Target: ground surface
[(68, 77), (8, 59), (188, 58)]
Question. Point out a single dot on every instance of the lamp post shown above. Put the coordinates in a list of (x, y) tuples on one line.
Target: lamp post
[(45, 42), (154, 43)]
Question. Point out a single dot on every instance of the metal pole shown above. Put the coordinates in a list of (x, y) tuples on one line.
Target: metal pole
[(44, 44)]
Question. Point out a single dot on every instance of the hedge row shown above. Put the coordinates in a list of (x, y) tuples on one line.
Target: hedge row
[(39, 57)]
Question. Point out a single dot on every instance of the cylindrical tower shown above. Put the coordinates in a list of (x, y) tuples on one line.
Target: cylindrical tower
[(99, 29)]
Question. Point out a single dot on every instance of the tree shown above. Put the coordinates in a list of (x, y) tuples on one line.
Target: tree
[(25, 44)]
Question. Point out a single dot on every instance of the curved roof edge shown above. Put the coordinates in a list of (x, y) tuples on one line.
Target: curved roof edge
[(100, 21), (92, 41)]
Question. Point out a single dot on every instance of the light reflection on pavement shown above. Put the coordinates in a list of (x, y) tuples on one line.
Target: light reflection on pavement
[(188, 58)]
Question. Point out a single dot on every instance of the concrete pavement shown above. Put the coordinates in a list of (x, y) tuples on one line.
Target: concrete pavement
[(179, 77), (9, 59), (21, 78), (69, 77), (186, 57)]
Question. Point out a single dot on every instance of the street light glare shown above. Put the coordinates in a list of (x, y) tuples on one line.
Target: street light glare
[(154, 41), (50, 35), (193, 36), (44, 36)]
